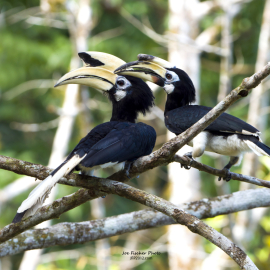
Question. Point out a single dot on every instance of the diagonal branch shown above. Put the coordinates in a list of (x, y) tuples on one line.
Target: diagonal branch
[(50, 211), (180, 216), (93, 184), (81, 232)]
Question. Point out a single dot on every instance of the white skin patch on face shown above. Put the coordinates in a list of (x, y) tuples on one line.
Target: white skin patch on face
[(122, 84), (169, 88), (119, 94), (170, 78)]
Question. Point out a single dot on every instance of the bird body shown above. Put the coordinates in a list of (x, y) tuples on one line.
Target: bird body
[(123, 142), (223, 136), (111, 144), (227, 135), (182, 118)]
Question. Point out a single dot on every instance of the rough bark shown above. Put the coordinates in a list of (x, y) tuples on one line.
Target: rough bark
[(41, 172), (81, 232), (194, 224)]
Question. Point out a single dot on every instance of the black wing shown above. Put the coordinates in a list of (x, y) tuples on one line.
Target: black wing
[(180, 119), (95, 135), (125, 142)]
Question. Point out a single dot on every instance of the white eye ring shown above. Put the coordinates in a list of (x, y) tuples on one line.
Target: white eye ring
[(122, 83), (171, 77)]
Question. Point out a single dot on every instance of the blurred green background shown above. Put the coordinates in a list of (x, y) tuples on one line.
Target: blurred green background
[(36, 48)]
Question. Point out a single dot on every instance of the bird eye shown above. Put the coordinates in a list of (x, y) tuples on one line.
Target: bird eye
[(168, 76), (121, 82)]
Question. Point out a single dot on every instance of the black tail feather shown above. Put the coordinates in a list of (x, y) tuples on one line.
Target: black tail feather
[(19, 217)]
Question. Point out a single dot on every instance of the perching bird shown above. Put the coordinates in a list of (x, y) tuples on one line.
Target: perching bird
[(112, 144), (227, 135)]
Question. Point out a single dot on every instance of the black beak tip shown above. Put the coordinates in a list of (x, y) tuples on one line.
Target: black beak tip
[(126, 66), (119, 69)]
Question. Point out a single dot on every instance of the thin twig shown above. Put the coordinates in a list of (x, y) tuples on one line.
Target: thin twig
[(235, 176)]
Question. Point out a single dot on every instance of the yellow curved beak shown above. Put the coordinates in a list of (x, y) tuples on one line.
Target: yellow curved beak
[(153, 59), (95, 77), (144, 68), (97, 71)]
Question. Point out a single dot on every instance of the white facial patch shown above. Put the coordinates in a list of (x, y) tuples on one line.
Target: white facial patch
[(169, 88), (119, 94)]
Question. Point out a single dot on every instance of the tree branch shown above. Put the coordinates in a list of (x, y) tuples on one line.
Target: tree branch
[(50, 211), (76, 180), (184, 160), (81, 232), (180, 216)]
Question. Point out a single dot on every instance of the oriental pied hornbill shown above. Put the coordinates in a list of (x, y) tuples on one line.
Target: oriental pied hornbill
[(116, 143), (227, 135)]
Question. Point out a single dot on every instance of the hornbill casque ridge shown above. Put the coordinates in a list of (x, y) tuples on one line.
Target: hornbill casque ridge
[(227, 135), (116, 143)]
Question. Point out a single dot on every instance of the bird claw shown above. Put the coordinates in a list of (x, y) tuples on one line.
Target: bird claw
[(187, 167), (228, 176), (189, 155), (127, 174), (127, 171)]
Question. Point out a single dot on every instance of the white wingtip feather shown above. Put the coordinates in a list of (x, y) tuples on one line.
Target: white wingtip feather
[(41, 192)]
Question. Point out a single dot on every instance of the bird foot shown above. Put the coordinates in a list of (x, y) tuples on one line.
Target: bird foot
[(127, 174), (228, 176), (127, 170), (189, 155)]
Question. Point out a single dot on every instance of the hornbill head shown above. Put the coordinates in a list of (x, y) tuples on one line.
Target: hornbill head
[(98, 72), (175, 81)]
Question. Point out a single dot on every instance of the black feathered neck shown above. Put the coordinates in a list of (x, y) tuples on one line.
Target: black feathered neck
[(184, 91), (139, 98)]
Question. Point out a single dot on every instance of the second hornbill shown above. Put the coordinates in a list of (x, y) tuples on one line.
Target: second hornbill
[(227, 135), (116, 143)]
